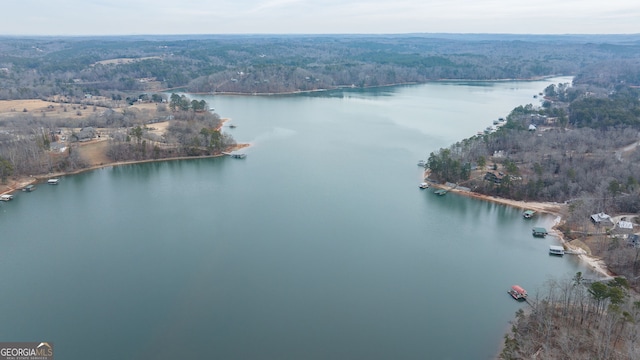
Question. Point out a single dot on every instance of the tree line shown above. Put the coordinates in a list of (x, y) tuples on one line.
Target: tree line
[(577, 319), (43, 67), (588, 161), (582, 147)]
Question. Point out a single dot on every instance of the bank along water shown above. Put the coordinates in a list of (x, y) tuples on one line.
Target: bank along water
[(317, 245)]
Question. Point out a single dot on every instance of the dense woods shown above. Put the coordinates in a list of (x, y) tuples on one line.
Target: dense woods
[(577, 319), (562, 152), (117, 66)]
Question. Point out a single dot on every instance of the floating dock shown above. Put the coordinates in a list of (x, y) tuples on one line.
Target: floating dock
[(539, 232), (29, 188), (236, 155), (556, 250)]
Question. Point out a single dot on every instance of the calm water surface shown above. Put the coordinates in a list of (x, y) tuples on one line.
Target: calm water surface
[(318, 245)]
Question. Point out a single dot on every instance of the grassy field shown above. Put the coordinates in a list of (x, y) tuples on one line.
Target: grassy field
[(43, 108)]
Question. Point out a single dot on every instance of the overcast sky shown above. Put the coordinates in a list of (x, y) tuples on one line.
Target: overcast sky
[(128, 17)]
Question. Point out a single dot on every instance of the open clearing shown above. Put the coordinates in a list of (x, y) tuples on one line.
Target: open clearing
[(120, 61), (36, 107)]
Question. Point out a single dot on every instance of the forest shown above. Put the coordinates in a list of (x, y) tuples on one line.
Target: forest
[(41, 67), (577, 319)]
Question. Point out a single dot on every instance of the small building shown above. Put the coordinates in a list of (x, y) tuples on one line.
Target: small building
[(556, 250), (623, 227), (539, 231)]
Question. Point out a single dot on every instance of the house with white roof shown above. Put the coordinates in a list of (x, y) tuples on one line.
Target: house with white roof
[(602, 219)]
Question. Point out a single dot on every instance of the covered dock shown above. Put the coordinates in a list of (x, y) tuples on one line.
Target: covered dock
[(440, 192), (539, 231), (556, 250)]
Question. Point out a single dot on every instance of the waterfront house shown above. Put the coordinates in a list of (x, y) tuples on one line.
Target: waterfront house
[(494, 176), (601, 219)]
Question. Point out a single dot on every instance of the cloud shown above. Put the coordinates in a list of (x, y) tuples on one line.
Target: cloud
[(275, 4), (79, 17)]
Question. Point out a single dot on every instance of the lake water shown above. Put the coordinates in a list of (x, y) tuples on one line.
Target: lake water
[(318, 245)]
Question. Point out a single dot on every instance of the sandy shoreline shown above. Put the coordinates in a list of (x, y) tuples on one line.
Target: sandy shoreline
[(556, 209)]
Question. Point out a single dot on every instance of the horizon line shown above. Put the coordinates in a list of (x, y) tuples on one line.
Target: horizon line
[(321, 34)]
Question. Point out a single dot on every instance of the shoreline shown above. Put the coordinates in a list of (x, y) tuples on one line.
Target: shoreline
[(22, 181), (597, 265), (555, 209), (343, 87)]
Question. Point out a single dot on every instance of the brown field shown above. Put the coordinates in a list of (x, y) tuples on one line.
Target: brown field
[(46, 109), (18, 105), (119, 61), (94, 152), (146, 106), (158, 128)]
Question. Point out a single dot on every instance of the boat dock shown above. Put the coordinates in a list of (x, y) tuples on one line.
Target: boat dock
[(235, 155), (539, 232), (556, 250), (448, 187), (517, 292)]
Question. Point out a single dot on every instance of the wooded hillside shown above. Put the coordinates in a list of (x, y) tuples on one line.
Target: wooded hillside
[(119, 66)]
